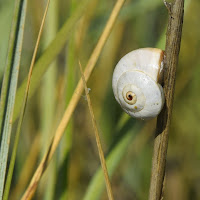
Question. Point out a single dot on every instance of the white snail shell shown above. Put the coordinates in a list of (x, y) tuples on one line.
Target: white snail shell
[(136, 81)]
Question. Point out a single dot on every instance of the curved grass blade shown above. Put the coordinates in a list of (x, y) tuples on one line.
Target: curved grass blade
[(10, 86), (11, 167)]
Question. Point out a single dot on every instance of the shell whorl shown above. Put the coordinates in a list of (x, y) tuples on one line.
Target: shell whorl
[(135, 83)]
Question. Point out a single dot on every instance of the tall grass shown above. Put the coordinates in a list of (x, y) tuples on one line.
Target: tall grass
[(9, 86), (75, 172)]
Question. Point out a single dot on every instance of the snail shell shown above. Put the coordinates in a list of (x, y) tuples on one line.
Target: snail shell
[(136, 81)]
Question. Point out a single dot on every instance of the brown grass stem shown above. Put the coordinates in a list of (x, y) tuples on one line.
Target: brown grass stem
[(173, 41), (35, 50), (98, 140), (73, 103)]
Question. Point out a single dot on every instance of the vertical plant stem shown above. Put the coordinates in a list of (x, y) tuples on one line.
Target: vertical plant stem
[(10, 86), (12, 162), (98, 141), (173, 41)]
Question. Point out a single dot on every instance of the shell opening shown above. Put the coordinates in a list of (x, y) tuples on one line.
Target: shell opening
[(130, 98)]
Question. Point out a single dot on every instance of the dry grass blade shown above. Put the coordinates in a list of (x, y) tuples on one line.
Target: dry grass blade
[(73, 102), (35, 50), (98, 141)]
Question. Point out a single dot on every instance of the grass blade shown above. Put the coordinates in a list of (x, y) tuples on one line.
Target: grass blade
[(47, 57), (11, 167), (98, 141), (10, 85), (8, 68)]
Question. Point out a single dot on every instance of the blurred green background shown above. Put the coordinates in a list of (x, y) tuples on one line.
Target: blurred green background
[(141, 23)]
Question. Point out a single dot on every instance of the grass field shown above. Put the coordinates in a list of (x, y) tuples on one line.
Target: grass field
[(71, 32)]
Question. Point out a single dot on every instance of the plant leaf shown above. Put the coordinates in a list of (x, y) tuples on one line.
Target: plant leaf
[(10, 84)]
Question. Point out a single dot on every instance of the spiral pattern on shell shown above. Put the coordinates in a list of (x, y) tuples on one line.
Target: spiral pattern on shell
[(136, 81)]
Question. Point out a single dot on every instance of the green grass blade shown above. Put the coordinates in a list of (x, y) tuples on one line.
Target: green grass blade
[(97, 185), (48, 102), (49, 54), (62, 188), (6, 16), (14, 60), (11, 167), (8, 68)]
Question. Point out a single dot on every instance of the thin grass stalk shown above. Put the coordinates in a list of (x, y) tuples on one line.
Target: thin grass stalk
[(73, 103), (98, 140), (10, 86), (174, 32), (13, 157), (48, 56)]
